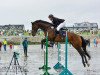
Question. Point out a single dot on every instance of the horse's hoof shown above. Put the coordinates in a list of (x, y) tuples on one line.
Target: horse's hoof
[(84, 65), (88, 64), (89, 59)]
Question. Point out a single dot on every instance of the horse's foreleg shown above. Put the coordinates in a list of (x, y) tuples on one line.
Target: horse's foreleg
[(42, 43)]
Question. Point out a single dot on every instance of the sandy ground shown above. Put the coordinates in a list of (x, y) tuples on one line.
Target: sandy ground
[(35, 60)]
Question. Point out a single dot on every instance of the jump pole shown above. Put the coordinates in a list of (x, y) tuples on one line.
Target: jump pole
[(45, 66), (66, 71), (59, 66)]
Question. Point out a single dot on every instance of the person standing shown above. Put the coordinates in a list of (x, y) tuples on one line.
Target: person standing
[(11, 46), (89, 43), (5, 44), (0, 45), (25, 46), (95, 42)]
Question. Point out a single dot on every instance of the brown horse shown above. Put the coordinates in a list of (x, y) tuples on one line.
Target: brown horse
[(77, 41)]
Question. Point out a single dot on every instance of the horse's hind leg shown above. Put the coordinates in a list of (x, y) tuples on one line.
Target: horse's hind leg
[(86, 53), (86, 61), (84, 44), (84, 48), (82, 56)]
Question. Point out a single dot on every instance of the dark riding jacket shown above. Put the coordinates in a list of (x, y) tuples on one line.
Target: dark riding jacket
[(57, 21)]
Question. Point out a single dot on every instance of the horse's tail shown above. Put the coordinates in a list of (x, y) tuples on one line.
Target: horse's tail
[(88, 42), (84, 43)]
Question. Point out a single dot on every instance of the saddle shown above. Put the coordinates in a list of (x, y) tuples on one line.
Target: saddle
[(62, 32)]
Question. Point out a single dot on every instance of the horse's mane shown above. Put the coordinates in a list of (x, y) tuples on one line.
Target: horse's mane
[(37, 21)]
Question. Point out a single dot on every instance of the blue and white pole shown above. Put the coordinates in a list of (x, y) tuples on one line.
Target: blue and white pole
[(59, 66)]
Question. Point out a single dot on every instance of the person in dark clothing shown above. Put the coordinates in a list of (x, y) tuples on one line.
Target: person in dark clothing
[(25, 46), (57, 23), (0, 45)]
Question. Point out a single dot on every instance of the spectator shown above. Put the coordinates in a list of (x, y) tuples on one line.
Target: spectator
[(95, 42), (10, 45), (4, 44), (0, 45), (25, 46)]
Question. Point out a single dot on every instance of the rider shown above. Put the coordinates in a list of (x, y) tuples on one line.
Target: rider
[(57, 23)]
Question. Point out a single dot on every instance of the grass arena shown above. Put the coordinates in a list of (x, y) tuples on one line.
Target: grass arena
[(36, 59)]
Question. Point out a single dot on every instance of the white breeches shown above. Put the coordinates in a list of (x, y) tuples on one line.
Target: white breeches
[(61, 26)]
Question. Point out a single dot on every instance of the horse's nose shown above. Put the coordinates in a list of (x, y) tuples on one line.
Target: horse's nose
[(33, 33)]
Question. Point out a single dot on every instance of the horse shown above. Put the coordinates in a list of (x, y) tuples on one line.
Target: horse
[(78, 42)]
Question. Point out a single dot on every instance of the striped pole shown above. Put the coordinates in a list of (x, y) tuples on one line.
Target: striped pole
[(59, 52), (59, 66)]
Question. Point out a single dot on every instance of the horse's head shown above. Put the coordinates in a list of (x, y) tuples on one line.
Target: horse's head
[(35, 27), (40, 24)]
